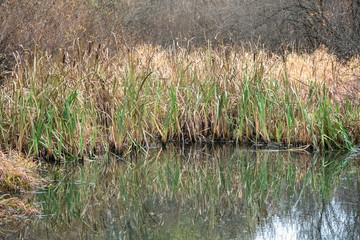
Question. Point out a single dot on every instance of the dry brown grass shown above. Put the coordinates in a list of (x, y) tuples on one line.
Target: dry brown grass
[(341, 78), (17, 173)]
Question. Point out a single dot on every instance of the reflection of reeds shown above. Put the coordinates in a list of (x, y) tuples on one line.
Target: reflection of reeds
[(210, 183), (92, 101)]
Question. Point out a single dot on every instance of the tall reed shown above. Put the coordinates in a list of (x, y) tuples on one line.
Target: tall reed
[(81, 102)]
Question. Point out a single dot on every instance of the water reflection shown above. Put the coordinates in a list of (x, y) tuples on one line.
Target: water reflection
[(204, 192), (335, 219)]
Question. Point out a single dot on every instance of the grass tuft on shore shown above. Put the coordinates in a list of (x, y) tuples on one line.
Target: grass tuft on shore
[(17, 173)]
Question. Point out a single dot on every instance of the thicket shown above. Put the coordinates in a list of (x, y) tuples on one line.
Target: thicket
[(54, 24)]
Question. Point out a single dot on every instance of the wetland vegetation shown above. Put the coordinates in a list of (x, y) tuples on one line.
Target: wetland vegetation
[(75, 90), (93, 87), (79, 103)]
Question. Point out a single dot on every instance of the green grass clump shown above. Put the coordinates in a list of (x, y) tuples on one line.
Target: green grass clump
[(81, 103)]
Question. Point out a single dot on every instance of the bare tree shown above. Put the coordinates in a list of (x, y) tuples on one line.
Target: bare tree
[(333, 23)]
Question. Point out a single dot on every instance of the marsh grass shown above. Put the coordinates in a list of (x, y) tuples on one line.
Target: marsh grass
[(82, 102), (17, 174), (205, 186)]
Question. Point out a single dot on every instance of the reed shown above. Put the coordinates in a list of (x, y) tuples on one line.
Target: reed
[(76, 103)]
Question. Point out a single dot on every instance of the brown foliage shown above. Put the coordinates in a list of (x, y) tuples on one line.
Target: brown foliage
[(333, 23), (55, 24), (17, 173)]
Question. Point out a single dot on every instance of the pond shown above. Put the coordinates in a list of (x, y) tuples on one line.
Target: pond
[(200, 192)]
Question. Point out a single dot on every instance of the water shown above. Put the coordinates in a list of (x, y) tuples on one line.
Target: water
[(203, 192)]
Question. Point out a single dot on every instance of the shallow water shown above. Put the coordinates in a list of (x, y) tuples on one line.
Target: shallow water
[(203, 192)]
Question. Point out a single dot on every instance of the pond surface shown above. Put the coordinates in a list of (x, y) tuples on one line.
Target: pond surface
[(203, 192)]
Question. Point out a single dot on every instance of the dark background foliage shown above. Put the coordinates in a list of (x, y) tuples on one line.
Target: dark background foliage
[(301, 24)]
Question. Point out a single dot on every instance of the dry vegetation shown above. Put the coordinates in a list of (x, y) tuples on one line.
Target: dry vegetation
[(82, 76), (55, 24), (16, 174)]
